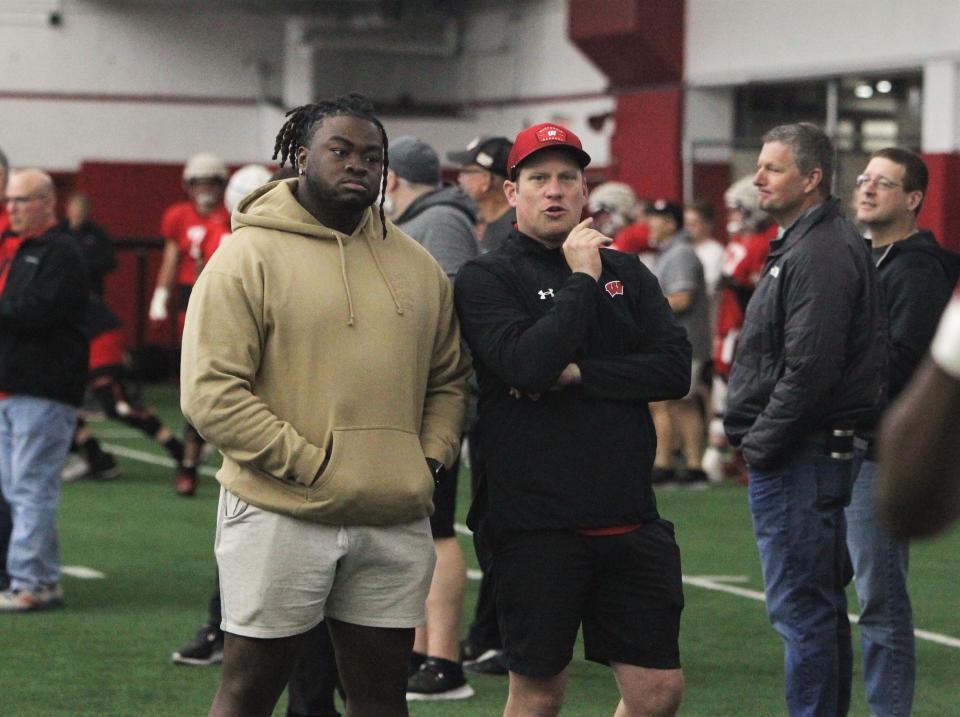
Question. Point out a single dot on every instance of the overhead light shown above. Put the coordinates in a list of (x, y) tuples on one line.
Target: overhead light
[(863, 91), (884, 86)]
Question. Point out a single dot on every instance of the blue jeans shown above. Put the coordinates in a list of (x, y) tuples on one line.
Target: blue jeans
[(886, 617), (798, 521), (5, 528), (35, 436)]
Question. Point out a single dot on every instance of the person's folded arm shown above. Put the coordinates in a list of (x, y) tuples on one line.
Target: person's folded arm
[(525, 352), (658, 371)]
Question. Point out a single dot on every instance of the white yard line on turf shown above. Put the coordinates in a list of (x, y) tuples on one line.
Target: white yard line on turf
[(152, 458), (716, 582), (84, 573), (719, 583)]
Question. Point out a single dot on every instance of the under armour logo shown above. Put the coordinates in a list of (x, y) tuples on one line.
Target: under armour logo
[(545, 294)]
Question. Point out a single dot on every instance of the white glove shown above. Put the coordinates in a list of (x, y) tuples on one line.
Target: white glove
[(158, 304)]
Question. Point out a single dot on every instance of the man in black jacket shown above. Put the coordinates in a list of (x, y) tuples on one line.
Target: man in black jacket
[(917, 277), (569, 344), (808, 372), (43, 369)]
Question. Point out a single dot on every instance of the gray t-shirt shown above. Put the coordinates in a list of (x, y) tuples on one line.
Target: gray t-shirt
[(678, 269), (497, 231)]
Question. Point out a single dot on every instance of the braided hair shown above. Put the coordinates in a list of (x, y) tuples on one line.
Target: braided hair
[(303, 121)]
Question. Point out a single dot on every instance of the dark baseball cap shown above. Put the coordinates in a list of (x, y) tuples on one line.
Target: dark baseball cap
[(545, 135), (665, 208), (491, 153), (414, 160)]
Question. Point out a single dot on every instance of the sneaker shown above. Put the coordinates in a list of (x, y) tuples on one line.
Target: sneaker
[(186, 484), (489, 662), (75, 468), (416, 662), (695, 478), (206, 648), (438, 679), (46, 597), (104, 467), (660, 476)]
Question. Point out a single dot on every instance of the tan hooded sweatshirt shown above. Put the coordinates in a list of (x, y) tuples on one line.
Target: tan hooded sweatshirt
[(323, 366)]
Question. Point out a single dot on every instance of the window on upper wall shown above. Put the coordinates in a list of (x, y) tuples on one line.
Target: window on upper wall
[(871, 111)]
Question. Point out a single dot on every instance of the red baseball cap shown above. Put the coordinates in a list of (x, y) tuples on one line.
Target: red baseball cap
[(544, 136)]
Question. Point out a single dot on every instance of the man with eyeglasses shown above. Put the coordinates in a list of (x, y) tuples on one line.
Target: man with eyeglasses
[(483, 170), (808, 373), (43, 372), (917, 277)]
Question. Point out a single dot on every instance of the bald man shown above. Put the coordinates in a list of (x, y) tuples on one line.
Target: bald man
[(43, 370)]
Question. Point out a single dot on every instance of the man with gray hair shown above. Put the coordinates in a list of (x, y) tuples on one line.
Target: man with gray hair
[(807, 375), (43, 372), (441, 220)]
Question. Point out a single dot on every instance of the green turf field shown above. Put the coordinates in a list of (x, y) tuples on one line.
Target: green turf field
[(108, 653)]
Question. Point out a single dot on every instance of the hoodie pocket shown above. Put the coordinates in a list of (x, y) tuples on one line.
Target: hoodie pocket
[(375, 469)]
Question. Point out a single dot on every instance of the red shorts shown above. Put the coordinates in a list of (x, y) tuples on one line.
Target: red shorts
[(106, 349)]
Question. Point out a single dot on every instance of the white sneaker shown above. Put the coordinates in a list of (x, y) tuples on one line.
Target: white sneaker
[(75, 468), (43, 598)]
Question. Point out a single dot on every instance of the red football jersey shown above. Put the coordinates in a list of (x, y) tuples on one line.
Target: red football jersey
[(743, 259), (193, 234)]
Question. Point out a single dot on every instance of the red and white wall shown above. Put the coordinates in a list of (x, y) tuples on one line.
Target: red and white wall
[(115, 97)]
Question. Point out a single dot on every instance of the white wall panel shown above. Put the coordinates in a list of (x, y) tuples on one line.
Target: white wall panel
[(99, 86), (124, 49), (736, 41), (61, 135)]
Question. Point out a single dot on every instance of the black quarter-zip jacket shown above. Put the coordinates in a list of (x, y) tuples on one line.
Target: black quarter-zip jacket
[(43, 342), (578, 457)]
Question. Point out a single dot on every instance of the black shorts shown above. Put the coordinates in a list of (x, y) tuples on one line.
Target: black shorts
[(626, 590), (445, 504)]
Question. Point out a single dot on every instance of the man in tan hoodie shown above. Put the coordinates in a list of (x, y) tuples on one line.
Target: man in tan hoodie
[(321, 356)]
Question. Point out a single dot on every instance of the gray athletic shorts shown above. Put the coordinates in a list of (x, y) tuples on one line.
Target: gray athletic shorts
[(280, 576)]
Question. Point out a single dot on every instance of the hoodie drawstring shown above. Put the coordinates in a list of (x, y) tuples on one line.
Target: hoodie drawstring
[(346, 282), (383, 274)]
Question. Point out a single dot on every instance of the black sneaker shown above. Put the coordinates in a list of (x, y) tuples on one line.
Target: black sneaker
[(489, 662), (416, 662), (661, 476), (696, 477), (438, 679), (206, 648), (103, 466)]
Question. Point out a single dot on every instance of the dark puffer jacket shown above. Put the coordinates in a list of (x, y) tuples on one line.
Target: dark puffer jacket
[(813, 351)]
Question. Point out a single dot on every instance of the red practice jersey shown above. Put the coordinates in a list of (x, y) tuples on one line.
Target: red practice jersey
[(193, 234), (743, 259)]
